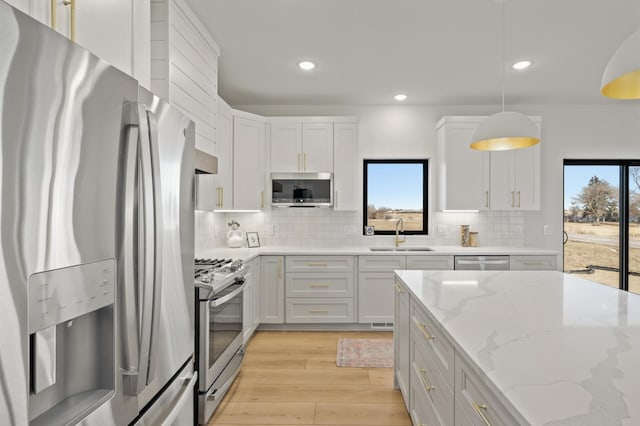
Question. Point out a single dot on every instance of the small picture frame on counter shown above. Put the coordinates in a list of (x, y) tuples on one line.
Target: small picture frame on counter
[(253, 239)]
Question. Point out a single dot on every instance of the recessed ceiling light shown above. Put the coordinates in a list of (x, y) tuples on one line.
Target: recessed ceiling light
[(400, 97), (306, 65), (521, 65)]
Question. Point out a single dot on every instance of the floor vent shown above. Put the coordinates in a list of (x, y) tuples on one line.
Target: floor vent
[(382, 325)]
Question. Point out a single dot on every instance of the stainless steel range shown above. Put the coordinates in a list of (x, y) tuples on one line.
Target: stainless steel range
[(219, 286)]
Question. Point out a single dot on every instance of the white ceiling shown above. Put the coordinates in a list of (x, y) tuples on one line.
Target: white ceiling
[(435, 51)]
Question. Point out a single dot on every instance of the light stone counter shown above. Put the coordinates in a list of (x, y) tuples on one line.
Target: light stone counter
[(249, 253), (558, 349)]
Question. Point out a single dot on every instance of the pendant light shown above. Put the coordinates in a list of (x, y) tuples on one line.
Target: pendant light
[(621, 78), (505, 130)]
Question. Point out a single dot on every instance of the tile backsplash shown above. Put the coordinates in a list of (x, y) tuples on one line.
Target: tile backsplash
[(310, 227)]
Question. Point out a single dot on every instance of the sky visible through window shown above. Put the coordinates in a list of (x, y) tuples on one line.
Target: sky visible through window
[(577, 177), (398, 186)]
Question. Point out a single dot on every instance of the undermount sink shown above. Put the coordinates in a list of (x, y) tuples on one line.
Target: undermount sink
[(400, 249)]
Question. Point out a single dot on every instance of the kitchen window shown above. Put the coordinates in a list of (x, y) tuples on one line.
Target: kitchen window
[(395, 194)]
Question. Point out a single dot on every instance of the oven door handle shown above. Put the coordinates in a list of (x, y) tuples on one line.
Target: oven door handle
[(221, 301)]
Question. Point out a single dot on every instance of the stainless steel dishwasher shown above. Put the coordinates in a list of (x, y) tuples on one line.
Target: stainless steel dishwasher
[(482, 263)]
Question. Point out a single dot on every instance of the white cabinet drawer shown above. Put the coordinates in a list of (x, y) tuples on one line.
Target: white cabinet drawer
[(476, 400), (533, 263), (430, 262), (319, 285), (319, 310), (439, 347), (421, 409), (424, 374), (381, 263), (320, 264)]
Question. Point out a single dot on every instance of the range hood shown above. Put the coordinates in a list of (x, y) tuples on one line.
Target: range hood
[(206, 164)]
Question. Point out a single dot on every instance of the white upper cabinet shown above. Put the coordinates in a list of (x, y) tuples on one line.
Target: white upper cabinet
[(481, 180), (286, 147), (248, 162), (116, 30), (224, 152), (301, 147), (463, 172), (317, 147), (345, 166)]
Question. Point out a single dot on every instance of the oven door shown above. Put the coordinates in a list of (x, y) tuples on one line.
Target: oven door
[(220, 332)]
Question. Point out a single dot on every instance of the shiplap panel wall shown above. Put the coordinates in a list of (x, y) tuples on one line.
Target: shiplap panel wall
[(184, 66)]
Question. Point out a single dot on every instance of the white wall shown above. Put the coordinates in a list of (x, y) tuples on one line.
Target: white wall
[(604, 131)]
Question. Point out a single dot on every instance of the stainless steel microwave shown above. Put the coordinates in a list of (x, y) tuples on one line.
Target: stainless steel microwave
[(302, 189)]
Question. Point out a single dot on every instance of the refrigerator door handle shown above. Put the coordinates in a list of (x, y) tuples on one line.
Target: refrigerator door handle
[(156, 255), (128, 276), (185, 398)]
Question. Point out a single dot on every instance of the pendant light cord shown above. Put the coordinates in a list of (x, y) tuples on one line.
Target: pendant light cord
[(504, 48)]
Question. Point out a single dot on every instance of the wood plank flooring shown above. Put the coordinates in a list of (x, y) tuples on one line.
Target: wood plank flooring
[(291, 378)]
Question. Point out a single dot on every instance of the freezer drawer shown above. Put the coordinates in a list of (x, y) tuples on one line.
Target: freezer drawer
[(175, 406)]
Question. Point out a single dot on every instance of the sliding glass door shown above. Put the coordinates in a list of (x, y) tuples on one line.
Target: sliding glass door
[(601, 221)]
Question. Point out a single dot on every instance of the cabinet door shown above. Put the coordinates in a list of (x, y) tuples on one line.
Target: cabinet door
[(401, 332), (463, 172), (533, 263), (430, 262), (248, 172), (286, 147), (345, 166), (503, 193), (224, 152), (317, 147), (255, 265), (526, 176), (272, 289), (375, 297), (248, 312)]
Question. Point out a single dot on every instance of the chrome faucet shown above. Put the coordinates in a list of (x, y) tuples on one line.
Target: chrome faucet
[(400, 224)]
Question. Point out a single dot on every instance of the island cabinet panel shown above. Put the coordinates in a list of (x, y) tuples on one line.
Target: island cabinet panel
[(401, 330), (437, 395), (438, 346), (477, 401)]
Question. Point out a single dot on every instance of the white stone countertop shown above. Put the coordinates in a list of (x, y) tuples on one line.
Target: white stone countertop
[(249, 253), (558, 349)]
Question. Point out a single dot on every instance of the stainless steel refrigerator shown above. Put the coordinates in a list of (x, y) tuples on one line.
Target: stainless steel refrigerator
[(96, 240)]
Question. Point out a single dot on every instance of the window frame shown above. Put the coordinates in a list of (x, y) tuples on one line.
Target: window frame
[(425, 192)]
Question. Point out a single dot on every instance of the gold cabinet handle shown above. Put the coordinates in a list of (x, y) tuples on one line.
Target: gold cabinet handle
[(423, 327), (54, 16), (318, 311), (317, 264), (480, 409), (399, 289), (513, 198), (486, 199), (425, 382), (518, 199), (319, 286)]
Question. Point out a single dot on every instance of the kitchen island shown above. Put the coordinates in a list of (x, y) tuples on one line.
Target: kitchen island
[(513, 347)]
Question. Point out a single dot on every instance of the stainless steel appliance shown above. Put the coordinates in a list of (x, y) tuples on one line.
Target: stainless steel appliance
[(481, 263), (96, 240), (220, 284), (302, 189)]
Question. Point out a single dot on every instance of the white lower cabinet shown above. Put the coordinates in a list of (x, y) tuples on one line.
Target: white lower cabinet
[(272, 289), (443, 389), (533, 263), (319, 289), (401, 330)]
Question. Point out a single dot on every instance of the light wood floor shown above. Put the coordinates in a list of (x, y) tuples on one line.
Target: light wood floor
[(291, 378)]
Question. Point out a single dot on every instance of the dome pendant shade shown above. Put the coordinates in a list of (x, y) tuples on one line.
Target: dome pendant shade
[(504, 131), (621, 78)]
